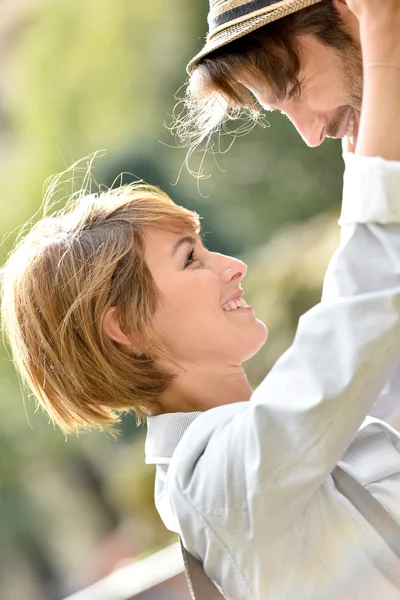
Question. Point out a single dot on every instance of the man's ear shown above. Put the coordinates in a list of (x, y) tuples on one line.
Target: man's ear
[(112, 328)]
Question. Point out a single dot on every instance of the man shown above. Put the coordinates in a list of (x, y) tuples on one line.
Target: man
[(301, 57)]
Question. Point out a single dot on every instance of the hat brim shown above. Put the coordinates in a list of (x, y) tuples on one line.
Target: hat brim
[(238, 29)]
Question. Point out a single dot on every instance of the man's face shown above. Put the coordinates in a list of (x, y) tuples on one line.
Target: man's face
[(329, 103)]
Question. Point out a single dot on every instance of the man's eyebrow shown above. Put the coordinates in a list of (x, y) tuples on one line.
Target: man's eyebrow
[(188, 239), (271, 102)]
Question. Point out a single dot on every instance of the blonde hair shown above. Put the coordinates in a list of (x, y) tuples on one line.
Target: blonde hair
[(57, 286)]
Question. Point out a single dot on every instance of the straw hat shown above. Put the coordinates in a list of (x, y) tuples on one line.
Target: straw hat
[(229, 20)]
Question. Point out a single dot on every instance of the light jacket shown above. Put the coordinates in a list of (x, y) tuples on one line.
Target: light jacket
[(248, 486)]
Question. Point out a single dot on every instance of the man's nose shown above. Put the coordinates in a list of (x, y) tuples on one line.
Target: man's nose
[(312, 128)]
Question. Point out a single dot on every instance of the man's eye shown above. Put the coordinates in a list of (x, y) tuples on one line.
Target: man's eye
[(294, 93), (190, 258)]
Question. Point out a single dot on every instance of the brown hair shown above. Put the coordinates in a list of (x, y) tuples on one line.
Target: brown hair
[(270, 53), (57, 286)]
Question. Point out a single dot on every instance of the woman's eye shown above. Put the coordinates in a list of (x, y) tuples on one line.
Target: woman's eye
[(190, 259)]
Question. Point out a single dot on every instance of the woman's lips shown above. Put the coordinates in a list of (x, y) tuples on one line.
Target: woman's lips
[(237, 296)]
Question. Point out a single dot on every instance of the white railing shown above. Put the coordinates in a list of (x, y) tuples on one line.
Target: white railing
[(130, 581)]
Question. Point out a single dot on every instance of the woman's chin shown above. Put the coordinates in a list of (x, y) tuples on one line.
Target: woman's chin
[(256, 342)]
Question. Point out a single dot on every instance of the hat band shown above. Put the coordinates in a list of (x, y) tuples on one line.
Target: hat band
[(239, 11)]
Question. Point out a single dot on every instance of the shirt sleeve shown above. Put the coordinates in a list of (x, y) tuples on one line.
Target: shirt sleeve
[(268, 456), (381, 205)]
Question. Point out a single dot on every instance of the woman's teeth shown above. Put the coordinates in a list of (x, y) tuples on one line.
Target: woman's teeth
[(234, 304)]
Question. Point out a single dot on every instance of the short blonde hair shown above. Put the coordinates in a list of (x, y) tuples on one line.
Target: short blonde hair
[(57, 286)]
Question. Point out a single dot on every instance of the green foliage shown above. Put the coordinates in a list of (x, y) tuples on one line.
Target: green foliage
[(285, 280)]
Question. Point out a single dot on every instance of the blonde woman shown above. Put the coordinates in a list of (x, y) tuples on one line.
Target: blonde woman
[(115, 305)]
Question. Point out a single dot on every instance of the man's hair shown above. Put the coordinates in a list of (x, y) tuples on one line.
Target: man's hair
[(270, 54), (57, 286)]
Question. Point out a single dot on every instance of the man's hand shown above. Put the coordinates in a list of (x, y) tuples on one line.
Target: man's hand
[(380, 44), (379, 29), (374, 10)]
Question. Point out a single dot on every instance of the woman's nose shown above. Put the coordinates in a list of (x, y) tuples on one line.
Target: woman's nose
[(235, 269)]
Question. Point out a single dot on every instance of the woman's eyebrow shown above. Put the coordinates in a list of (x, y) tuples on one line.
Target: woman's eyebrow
[(188, 239)]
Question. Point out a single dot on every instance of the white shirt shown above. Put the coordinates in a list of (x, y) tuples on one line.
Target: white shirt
[(248, 486)]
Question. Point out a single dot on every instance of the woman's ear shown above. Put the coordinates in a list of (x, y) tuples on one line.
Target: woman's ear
[(112, 328)]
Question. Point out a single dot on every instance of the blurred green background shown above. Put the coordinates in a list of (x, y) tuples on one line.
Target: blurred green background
[(80, 76)]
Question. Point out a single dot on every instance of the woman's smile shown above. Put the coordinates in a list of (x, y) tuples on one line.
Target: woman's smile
[(191, 282)]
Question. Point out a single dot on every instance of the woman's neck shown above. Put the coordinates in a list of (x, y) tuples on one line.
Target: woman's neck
[(200, 388)]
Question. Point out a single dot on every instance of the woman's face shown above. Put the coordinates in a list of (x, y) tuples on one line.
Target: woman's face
[(201, 314)]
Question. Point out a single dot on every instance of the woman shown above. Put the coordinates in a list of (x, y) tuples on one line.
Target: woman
[(116, 304)]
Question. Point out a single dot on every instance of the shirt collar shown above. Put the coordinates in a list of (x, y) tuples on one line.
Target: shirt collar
[(164, 432)]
